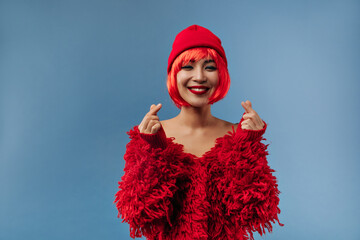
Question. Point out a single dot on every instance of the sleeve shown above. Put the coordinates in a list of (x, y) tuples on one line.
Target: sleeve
[(251, 191), (146, 190)]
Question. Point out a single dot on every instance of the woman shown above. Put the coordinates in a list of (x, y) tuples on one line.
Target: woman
[(185, 178)]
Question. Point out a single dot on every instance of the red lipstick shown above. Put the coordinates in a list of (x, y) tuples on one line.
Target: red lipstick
[(198, 90)]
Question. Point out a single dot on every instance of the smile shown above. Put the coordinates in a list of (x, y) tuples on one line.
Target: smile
[(198, 90)]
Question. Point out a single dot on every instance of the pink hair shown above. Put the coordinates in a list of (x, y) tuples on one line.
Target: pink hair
[(195, 54)]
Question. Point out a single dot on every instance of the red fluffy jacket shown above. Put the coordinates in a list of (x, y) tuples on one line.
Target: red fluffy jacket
[(228, 193)]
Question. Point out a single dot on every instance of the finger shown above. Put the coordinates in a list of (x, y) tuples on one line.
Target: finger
[(151, 124), (141, 125), (254, 117), (151, 117), (259, 121), (250, 124), (246, 106), (144, 122), (249, 103), (147, 120), (248, 116), (249, 106), (261, 125), (155, 128), (154, 110), (245, 126), (254, 125)]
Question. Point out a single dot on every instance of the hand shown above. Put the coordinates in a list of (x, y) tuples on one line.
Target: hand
[(252, 121), (150, 123)]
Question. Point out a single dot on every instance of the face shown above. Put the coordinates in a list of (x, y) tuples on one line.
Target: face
[(197, 81)]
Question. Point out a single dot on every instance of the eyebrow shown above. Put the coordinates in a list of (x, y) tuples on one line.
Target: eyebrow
[(205, 62)]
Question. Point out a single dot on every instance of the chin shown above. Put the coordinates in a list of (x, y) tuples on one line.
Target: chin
[(198, 104)]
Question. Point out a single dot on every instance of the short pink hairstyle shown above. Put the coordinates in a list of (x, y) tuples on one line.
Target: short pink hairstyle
[(195, 54)]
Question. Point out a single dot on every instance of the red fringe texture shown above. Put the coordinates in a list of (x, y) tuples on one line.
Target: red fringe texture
[(228, 193)]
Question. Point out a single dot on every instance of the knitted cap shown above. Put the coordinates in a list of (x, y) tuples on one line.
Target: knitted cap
[(192, 37)]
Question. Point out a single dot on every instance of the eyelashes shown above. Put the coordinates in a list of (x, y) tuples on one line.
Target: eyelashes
[(186, 67), (211, 68), (190, 67)]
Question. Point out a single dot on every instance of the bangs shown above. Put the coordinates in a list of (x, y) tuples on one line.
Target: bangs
[(194, 55)]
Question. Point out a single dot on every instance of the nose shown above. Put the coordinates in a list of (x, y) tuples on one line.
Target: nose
[(199, 75)]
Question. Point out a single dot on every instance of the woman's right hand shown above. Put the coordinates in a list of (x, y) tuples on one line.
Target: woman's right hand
[(150, 123)]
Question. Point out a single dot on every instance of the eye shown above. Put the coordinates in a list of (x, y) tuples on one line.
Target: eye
[(186, 67), (212, 68)]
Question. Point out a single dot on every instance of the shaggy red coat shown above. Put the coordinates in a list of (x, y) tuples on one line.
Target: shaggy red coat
[(228, 193)]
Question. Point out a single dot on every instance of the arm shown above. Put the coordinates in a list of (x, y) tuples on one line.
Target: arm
[(149, 183), (251, 193)]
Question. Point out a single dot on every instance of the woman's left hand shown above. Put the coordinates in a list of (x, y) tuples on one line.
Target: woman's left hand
[(252, 121)]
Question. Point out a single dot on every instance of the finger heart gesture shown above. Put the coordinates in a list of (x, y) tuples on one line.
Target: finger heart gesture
[(252, 120), (150, 123)]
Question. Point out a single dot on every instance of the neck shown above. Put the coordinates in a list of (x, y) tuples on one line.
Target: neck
[(196, 117)]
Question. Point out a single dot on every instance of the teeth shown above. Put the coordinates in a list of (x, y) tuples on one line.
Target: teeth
[(199, 89)]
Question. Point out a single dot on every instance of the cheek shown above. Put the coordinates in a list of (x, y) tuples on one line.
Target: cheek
[(180, 80), (178, 83), (215, 80)]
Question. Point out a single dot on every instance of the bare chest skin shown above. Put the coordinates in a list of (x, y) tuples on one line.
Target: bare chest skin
[(196, 142)]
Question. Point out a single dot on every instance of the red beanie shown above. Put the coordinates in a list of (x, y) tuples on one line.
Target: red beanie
[(192, 37)]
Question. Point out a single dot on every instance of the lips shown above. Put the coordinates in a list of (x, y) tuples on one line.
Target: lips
[(198, 90)]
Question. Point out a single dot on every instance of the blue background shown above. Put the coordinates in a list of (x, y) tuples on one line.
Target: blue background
[(76, 75)]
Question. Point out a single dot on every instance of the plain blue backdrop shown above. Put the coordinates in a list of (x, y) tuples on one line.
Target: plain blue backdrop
[(76, 75)]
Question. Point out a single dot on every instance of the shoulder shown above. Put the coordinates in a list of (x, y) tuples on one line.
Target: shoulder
[(169, 126), (227, 125), (165, 123)]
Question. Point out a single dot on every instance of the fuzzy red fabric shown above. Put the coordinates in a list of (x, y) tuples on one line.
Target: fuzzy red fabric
[(228, 193)]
